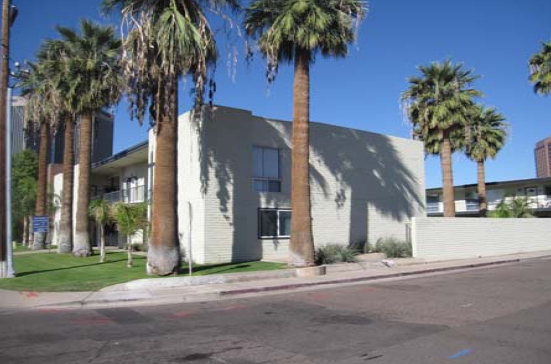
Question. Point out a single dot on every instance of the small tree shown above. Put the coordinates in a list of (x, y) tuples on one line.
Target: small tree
[(518, 207), (100, 211), (24, 184), (130, 219)]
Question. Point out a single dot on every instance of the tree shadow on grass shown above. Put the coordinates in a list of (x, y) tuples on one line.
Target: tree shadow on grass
[(73, 267)]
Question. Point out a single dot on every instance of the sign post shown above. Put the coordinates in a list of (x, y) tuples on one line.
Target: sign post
[(40, 224)]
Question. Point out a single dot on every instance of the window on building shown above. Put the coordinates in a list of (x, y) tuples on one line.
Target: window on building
[(266, 170), (274, 223), (548, 191), (433, 199)]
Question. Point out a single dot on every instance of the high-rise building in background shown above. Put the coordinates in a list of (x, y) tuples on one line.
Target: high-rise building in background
[(542, 155), (23, 134), (102, 140)]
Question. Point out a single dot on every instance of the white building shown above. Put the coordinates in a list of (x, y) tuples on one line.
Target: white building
[(234, 182), (537, 190)]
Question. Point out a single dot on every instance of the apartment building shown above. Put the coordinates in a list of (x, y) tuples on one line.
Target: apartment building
[(537, 190), (234, 183)]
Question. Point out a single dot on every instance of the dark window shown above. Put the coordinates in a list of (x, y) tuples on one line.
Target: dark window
[(433, 199), (273, 223), (548, 191), (266, 170)]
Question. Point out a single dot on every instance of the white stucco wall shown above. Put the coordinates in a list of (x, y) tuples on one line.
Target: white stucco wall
[(364, 185), (57, 190), (439, 238)]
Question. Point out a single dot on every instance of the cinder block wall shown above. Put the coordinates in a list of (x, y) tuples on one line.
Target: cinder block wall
[(440, 238)]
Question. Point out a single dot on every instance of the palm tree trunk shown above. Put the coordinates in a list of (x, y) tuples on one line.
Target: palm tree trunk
[(447, 176), (102, 245), (30, 235), (65, 241), (163, 255), (81, 246), (301, 248), (25, 231), (130, 260), (42, 183), (482, 202)]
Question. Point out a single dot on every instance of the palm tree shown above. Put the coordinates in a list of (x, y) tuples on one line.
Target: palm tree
[(54, 106), (100, 212), (295, 31), (38, 92), (92, 72), (165, 40), (130, 218), (485, 136), (437, 104), (540, 70)]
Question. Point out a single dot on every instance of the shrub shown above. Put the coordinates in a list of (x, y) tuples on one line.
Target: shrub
[(393, 248), (361, 246), (335, 253), (518, 207)]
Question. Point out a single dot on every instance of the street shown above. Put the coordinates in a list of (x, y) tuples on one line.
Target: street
[(491, 315)]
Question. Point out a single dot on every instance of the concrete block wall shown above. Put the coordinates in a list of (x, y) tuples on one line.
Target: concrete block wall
[(440, 238)]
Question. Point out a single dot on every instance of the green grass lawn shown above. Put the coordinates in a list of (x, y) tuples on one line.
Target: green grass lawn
[(62, 272), (20, 248)]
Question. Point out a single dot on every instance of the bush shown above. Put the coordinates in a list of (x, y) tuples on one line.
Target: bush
[(361, 246), (335, 253), (393, 248)]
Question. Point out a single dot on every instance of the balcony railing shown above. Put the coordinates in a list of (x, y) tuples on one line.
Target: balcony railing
[(134, 194), (433, 207), (129, 195)]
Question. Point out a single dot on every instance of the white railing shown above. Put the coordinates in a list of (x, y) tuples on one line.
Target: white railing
[(129, 195)]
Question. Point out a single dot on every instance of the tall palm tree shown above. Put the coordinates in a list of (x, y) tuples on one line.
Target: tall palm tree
[(100, 211), (540, 70), (92, 71), (54, 107), (437, 104), (295, 31), (36, 89), (485, 136), (165, 40)]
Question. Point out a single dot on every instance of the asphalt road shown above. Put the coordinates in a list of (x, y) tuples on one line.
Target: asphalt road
[(492, 315)]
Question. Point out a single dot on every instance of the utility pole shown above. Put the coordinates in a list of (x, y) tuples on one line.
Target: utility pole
[(3, 114), (8, 17)]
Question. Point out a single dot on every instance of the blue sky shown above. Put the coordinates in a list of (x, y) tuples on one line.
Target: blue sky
[(494, 37)]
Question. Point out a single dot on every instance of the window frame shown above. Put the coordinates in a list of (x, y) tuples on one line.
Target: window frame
[(277, 210), (262, 178)]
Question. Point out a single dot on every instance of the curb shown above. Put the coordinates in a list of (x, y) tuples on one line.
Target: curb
[(221, 294), (363, 279)]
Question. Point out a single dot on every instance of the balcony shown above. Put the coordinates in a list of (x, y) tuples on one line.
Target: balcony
[(472, 206), (130, 195), (434, 207)]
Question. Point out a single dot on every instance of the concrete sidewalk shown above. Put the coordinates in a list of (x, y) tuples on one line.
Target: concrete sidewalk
[(176, 290)]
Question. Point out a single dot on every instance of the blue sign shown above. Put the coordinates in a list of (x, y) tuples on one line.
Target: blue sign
[(40, 224)]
